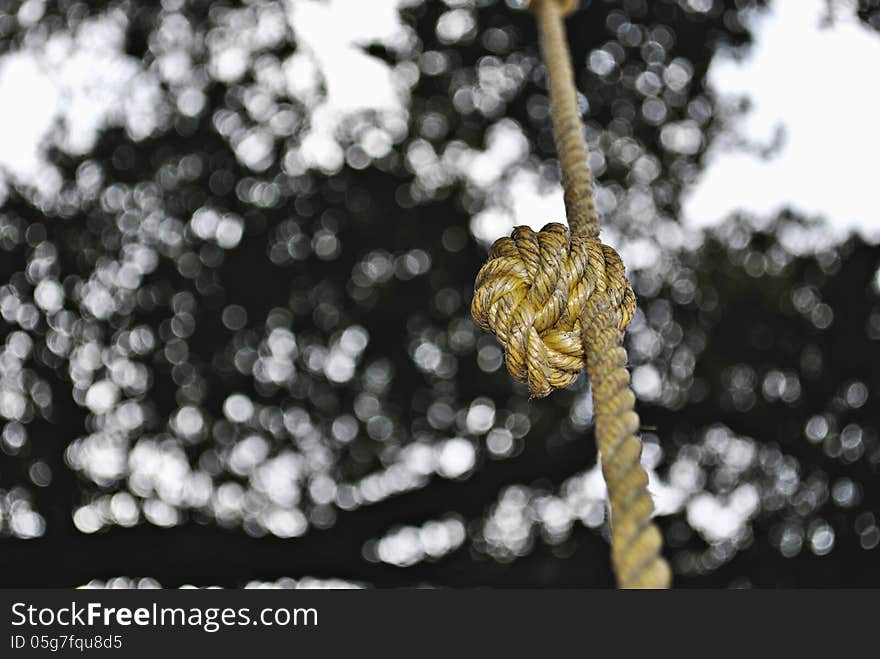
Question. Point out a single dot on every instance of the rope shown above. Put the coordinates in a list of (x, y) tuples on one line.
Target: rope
[(577, 181), (558, 302)]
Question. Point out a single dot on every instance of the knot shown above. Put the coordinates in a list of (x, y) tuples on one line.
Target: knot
[(541, 293)]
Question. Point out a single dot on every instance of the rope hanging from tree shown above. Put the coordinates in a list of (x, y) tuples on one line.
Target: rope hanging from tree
[(558, 301)]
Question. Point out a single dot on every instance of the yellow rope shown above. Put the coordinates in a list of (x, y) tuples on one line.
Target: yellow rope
[(558, 302), (577, 181)]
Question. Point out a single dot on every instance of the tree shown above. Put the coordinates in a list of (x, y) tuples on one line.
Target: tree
[(237, 338)]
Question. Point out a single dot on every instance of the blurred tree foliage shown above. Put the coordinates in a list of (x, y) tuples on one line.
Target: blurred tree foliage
[(266, 367)]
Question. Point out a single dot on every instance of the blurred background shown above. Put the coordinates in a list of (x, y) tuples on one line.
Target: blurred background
[(238, 249)]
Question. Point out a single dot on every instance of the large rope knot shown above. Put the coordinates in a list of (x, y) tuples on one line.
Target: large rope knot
[(540, 292)]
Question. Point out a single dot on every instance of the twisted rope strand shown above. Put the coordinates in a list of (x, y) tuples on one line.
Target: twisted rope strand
[(635, 539), (558, 302), (577, 181)]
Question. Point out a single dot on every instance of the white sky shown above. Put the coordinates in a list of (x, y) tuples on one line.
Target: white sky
[(63, 92), (823, 87), (819, 84)]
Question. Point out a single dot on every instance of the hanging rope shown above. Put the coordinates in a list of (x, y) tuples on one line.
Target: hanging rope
[(558, 302)]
